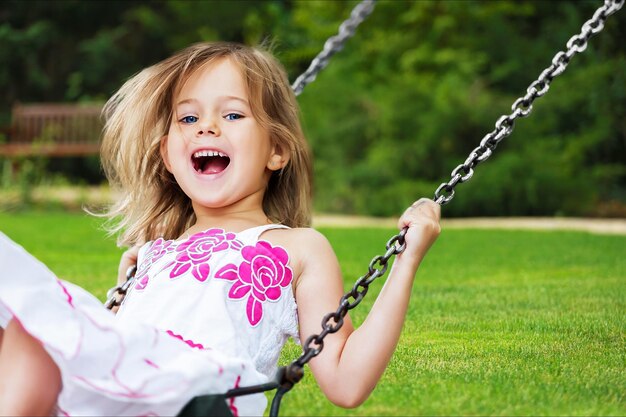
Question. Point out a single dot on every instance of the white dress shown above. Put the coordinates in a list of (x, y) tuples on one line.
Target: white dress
[(206, 314)]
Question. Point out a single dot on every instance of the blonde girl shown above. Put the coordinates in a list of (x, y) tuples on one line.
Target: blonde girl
[(213, 172)]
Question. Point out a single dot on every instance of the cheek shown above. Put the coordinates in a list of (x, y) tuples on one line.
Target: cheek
[(175, 144), (168, 152)]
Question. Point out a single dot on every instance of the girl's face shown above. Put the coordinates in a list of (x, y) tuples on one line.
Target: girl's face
[(217, 151)]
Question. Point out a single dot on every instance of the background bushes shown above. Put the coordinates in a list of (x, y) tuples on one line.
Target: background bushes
[(410, 95)]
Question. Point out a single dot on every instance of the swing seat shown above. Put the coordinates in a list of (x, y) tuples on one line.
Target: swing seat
[(207, 405), (215, 404)]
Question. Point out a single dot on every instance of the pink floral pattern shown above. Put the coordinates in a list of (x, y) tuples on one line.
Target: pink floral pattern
[(158, 248), (195, 252), (260, 277), (191, 343)]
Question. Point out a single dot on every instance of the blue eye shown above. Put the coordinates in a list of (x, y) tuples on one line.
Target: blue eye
[(233, 116), (189, 119)]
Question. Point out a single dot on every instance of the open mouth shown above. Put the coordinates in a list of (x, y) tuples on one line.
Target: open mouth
[(209, 162)]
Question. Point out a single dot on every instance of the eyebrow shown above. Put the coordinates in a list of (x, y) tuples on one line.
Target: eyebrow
[(221, 98)]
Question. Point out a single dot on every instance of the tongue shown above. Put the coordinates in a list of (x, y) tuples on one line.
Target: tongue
[(214, 165)]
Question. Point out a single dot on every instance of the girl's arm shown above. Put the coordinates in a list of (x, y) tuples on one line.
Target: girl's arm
[(353, 361)]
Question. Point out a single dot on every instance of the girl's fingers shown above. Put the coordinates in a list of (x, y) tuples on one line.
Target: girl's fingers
[(422, 209)]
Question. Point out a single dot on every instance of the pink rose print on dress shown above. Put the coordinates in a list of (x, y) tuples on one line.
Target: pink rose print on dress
[(158, 248), (261, 277), (195, 252)]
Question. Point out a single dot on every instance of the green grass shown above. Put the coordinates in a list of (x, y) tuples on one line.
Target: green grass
[(500, 323)]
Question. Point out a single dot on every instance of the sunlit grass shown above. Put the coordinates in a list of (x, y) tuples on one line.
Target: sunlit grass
[(500, 323)]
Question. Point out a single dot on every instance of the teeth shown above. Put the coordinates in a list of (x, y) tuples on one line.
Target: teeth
[(208, 153)]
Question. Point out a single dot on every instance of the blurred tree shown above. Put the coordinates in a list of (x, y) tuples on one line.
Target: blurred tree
[(423, 82), (406, 100)]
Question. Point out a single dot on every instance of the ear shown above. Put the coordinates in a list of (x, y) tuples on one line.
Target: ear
[(164, 154), (279, 157)]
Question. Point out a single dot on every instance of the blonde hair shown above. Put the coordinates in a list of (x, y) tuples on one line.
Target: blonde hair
[(138, 115)]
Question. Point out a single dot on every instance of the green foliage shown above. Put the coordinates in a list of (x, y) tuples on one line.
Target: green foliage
[(22, 175), (403, 104), (424, 90)]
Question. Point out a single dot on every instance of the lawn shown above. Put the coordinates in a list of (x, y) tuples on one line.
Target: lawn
[(501, 322)]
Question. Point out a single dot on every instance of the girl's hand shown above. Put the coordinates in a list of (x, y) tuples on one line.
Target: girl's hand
[(129, 258), (422, 219)]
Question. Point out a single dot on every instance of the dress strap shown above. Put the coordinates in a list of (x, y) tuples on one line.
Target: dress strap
[(254, 233)]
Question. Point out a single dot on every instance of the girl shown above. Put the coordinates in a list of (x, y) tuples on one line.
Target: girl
[(214, 173)]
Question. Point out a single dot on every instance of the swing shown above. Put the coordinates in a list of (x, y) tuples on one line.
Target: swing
[(287, 376)]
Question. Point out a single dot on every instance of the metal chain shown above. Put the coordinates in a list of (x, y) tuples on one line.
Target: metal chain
[(120, 290), (334, 44), (524, 105), (332, 322)]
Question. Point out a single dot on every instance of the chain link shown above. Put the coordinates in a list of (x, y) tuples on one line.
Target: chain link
[(523, 106), (120, 290), (334, 44)]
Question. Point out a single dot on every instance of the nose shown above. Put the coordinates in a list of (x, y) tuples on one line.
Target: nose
[(208, 128)]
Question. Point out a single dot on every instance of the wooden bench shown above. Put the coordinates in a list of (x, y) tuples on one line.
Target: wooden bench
[(52, 129)]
